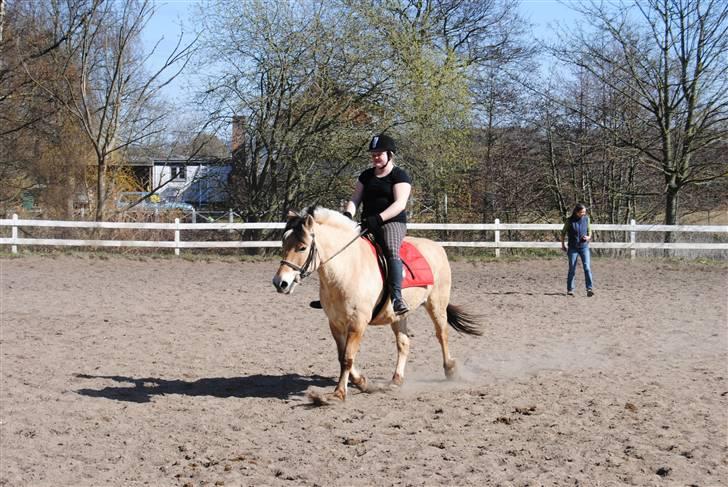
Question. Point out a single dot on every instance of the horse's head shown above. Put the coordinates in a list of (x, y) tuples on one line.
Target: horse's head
[(304, 253), (299, 252)]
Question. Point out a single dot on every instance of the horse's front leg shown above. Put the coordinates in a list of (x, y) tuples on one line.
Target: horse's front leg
[(403, 346), (347, 345)]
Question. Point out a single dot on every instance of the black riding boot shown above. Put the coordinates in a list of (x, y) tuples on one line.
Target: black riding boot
[(395, 286)]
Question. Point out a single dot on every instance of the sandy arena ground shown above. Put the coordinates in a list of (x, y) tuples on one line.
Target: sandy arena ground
[(165, 372)]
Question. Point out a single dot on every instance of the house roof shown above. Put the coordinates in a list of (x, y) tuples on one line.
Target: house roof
[(179, 161), (194, 161)]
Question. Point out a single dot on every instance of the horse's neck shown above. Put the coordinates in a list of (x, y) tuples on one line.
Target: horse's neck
[(341, 252)]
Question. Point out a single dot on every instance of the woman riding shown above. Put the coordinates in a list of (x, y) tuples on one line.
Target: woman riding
[(384, 190)]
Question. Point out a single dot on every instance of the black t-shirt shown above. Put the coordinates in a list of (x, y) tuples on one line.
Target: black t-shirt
[(379, 192)]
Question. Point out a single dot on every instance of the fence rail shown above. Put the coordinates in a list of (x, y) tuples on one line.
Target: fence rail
[(496, 243)]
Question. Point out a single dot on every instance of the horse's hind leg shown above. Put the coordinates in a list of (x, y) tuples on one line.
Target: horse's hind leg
[(403, 346), (358, 379), (438, 313)]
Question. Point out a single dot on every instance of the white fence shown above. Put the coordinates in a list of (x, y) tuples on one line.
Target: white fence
[(630, 231)]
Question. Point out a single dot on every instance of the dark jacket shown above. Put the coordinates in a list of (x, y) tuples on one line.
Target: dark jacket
[(576, 229)]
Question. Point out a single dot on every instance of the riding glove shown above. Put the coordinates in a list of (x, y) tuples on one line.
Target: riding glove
[(373, 223)]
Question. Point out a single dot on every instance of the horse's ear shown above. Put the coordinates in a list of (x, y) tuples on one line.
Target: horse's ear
[(308, 222), (291, 215)]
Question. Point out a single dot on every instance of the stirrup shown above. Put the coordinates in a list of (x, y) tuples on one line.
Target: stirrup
[(400, 306)]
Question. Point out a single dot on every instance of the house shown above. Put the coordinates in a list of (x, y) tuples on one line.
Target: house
[(201, 182)]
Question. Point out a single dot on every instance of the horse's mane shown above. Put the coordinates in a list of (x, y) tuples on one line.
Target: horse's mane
[(325, 216), (322, 216)]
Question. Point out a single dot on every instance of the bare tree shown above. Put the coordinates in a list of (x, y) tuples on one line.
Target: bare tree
[(446, 55), (311, 82), (584, 121), (103, 83), (303, 96), (41, 152), (666, 57)]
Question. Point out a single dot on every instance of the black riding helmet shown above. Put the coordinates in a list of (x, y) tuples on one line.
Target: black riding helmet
[(382, 143)]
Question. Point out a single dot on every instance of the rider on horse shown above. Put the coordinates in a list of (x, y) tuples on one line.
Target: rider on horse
[(384, 190)]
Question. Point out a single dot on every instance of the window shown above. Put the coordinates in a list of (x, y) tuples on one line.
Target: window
[(179, 173)]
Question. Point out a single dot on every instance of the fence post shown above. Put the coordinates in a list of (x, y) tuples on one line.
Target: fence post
[(497, 238), (194, 215), (230, 219), (176, 236), (632, 239), (14, 234)]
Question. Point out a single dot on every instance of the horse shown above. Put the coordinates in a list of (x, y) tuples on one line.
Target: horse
[(351, 286)]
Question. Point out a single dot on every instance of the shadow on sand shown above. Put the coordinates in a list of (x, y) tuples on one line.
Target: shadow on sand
[(142, 389)]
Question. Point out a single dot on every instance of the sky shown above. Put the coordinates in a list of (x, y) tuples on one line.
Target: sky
[(164, 28), (166, 25)]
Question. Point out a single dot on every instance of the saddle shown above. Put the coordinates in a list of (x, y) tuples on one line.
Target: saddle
[(416, 269)]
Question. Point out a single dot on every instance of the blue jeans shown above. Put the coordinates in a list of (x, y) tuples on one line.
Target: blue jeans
[(585, 255)]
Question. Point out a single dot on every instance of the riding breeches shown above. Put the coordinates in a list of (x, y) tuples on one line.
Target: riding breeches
[(389, 237)]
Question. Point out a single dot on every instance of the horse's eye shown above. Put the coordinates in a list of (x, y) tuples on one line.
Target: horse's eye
[(302, 248)]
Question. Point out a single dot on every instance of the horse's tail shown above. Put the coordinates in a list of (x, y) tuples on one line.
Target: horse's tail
[(462, 321)]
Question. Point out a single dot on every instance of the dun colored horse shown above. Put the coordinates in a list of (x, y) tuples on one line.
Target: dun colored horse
[(351, 285)]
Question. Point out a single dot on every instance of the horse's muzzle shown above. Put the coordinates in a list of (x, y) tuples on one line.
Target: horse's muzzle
[(284, 284)]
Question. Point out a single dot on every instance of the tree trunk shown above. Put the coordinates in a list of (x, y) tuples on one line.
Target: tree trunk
[(671, 205), (2, 18), (71, 197), (100, 191)]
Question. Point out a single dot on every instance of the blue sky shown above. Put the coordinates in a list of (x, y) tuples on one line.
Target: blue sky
[(171, 14)]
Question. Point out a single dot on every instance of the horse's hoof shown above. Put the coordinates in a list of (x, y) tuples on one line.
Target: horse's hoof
[(327, 399), (362, 384), (393, 387), (451, 370), (397, 380), (318, 399)]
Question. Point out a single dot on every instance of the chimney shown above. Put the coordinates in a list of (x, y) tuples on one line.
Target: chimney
[(238, 133)]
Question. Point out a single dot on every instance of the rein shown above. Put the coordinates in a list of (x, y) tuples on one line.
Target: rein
[(304, 272)]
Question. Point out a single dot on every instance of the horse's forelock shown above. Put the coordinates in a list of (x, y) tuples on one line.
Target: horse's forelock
[(294, 222), (295, 226)]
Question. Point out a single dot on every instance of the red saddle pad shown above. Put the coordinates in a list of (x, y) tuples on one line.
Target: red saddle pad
[(417, 269), (417, 272)]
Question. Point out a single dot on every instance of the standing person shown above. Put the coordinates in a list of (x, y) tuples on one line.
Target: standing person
[(384, 190), (579, 234)]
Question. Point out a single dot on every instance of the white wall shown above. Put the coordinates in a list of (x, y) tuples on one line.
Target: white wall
[(202, 183)]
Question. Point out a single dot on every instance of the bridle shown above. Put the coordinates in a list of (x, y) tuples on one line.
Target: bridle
[(307, 269)]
